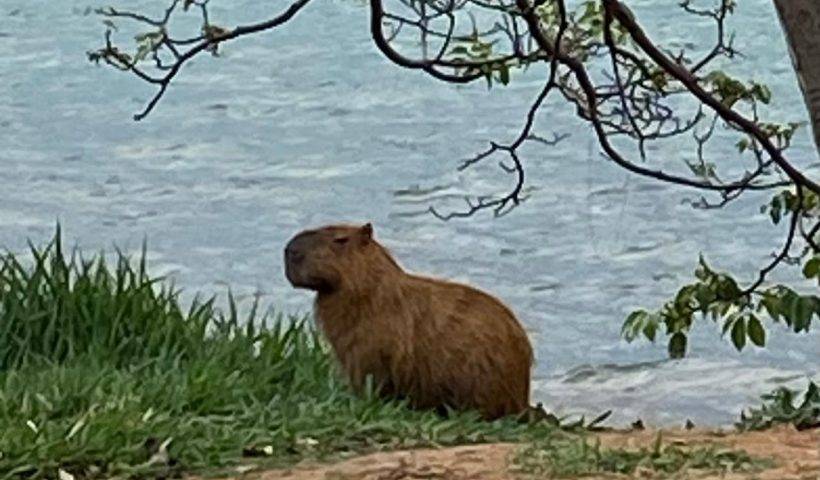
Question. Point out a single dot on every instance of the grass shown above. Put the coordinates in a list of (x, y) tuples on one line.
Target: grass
[(103, 373), (100, 367), (563, 457), (782, 407)]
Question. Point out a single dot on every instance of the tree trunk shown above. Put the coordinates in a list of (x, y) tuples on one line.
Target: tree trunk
[(801, 22)]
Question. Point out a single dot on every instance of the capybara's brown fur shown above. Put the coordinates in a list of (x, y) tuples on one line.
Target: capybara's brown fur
[(436, 343)]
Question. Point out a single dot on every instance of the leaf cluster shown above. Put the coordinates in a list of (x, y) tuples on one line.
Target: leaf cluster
[(731, 90), (474, 49), (782, 407), (717, 296), (788, 202)]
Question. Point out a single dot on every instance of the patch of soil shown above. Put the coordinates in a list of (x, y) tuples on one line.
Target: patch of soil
[(796, 455)]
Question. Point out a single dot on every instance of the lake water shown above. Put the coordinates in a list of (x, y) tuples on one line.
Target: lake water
[(310, 124)]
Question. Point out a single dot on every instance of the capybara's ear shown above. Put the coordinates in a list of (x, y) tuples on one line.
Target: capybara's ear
[(367, 231)]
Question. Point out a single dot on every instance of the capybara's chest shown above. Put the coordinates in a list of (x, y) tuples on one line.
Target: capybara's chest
[(363, 352)]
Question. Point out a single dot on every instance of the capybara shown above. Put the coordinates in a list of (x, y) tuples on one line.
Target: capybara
[(436, 343)]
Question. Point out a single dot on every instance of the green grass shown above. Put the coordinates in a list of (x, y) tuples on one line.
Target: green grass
[(563, 457), (100, 366), (103, 373), (782, 407)]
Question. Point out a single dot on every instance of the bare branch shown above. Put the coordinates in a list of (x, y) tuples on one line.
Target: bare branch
[(684, 76), (784, 252), (212, 38)]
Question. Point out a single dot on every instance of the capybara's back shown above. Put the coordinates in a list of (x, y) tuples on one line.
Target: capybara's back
[(438, 344)]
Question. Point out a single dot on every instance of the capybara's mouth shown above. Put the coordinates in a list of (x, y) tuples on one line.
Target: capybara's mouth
[(307, 283), (295, 273)]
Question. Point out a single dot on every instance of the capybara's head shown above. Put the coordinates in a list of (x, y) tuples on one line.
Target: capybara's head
[(336, 257)]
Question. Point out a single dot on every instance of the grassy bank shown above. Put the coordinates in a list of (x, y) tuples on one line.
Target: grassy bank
[(103, 372)]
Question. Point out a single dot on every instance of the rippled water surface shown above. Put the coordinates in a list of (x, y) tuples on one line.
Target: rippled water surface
[(309, 124)]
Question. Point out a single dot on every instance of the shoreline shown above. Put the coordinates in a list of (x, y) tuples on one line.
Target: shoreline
[(794, 456)]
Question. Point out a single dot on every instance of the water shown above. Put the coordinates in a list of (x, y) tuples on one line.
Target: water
[(297, 128)]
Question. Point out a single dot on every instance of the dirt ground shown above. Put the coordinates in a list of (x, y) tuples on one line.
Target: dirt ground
[(796, 454)]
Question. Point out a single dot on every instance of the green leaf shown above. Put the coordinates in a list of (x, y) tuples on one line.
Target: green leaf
[(800, 310), (811, 396), (775, 210), (739, 334), (772, 304), (755, 331), (727, 325), (488, 75), (504, 74), (704, 297), (633, 325), (152, 36), (702, 272), (142, 52), (765, 94), (790, 200), (812, 268), (726, 288), (640, 321), (677, 345), (761, 92), (650, 329)]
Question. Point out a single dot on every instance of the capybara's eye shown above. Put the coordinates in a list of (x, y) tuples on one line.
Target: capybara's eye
[(340, 240)]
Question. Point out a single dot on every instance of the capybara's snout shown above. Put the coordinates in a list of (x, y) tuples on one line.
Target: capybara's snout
[(300, 270), (294, 257)]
